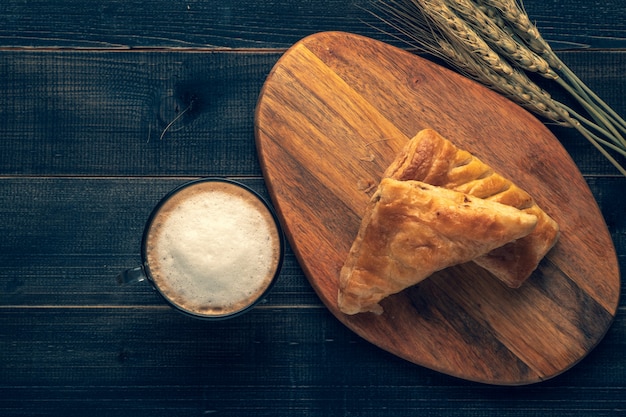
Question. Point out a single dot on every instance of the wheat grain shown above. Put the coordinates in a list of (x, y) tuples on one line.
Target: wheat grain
[(519, 24), (453, 40), (502, 41), (517, 86), (490, 69), (494, 42), (511, 14), (458, 32)]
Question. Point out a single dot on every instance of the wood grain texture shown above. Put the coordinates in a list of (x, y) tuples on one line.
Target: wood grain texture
[(333, 114), (57, 256), (271, 362), (83, 84), (122, 24), (98, 113), (102, 112)]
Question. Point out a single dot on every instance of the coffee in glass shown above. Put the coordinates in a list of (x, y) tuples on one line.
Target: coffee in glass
[(212, 248)]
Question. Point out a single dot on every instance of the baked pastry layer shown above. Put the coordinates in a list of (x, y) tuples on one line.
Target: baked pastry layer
[(412, 229), (431, 158)]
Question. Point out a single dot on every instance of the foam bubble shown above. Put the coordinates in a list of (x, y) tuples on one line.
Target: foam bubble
[(213, 248)]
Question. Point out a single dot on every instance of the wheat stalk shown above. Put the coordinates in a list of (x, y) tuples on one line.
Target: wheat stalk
[(496, 36), (494, 42), (509, 14)]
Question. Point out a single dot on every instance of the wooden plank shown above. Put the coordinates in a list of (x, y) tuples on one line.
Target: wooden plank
[(57, 254), (97, 113), (156, 361), (251, 24), (60, 347), (163, 23), (67, 280), (101, 113)]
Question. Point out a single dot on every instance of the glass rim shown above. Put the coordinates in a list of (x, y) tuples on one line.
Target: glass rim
[(281, 249)]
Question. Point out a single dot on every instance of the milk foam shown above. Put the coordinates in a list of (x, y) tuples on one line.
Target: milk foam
[(213, 248)]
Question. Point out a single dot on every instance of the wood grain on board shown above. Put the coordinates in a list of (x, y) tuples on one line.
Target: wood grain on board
[(332, 115)]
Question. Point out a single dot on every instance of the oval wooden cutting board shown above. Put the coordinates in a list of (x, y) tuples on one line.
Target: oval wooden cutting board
[(332, 115)]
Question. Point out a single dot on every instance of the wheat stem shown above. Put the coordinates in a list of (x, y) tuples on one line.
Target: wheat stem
[(592, 96), (511, 12), (494, 42), (499, 39), (598, 115), (597, 128), (592, 139)]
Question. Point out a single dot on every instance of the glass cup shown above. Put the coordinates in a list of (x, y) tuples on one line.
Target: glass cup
[(213, 248)]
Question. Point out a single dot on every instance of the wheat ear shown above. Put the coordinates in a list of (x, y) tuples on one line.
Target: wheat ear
[(510, 14), (492, 41)]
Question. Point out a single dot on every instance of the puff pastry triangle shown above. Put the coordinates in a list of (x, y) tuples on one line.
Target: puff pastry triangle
[(431, 158), (412, 229)]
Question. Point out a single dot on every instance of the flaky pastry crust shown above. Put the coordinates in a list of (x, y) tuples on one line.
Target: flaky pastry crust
[(412, 229), (431, 158)]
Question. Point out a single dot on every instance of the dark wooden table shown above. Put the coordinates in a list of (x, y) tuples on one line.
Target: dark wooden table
[(86, 90)]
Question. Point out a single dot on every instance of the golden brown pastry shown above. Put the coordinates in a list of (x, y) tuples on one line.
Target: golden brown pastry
[(412, 229), (430, 158)]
